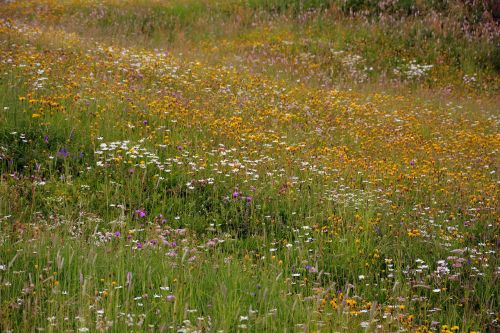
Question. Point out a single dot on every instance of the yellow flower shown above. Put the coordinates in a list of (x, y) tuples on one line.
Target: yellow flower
[(414, 233), (350, 302)]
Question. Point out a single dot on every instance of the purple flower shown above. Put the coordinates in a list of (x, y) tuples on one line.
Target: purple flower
[(249, 199), (139, 245), (170, 298), (140, 212), (46, 138), (412, 162), (63, 153), (145, 122), (161, 219), (235, 194), (118, 234)]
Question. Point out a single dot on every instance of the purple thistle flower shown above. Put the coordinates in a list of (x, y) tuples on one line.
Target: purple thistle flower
[(235, 194), (118, 234), (140, 212), (46, 138), (170, 298)]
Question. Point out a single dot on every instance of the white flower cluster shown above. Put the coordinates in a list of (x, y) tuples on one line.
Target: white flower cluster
[(413, 70)]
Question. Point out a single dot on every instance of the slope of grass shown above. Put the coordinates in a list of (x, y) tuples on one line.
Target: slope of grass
[(244, 166)]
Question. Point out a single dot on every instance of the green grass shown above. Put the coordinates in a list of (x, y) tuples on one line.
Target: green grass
[(237, 166)]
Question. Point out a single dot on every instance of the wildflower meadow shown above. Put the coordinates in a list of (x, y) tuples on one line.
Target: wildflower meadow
[(249, 166)]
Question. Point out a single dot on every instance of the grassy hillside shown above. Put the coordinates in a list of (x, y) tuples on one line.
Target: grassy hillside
[(262, 166), (386, 42)]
